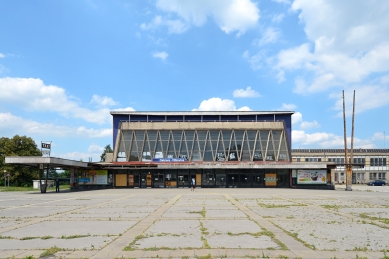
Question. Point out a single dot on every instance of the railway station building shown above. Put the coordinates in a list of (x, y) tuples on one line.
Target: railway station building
[(231, 149)]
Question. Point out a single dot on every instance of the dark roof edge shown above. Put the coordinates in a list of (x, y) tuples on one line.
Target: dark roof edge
[(199, 112)]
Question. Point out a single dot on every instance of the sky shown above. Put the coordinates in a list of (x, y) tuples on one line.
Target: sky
[(64, 65)]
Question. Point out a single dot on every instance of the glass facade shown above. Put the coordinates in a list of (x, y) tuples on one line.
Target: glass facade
[(203, 145)]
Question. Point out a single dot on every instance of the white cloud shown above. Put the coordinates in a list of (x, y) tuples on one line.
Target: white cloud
[(230, 15), (18, 125), (288, 107), (162, 55), (277, 18), (270, 35), (256, 61), (174, 26), (297, 120), (217, 104), (363, 99), (94, 148), (248, 93), (297, 117), (2, 55), (347, 47), (103, 100), (282, 1), (33, 95), (326, 140), (124, 109), (309, 125)]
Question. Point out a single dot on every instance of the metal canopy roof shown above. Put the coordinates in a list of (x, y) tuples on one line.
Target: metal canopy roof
[(35, 161)]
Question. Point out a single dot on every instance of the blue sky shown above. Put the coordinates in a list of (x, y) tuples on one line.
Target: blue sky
[(65, 64)]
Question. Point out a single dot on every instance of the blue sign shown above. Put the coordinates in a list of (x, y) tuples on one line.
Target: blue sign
[(83, 180), (169, 160)]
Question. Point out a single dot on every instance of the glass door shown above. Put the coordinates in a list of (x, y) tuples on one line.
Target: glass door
[(232, 178), (208, 179), (245, 178), (258, 178), (158, 180), (183, 178), (283, 178), (221, 178)]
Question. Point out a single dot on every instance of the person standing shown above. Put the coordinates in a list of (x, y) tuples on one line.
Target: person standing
[(192, 185), (56, 185)]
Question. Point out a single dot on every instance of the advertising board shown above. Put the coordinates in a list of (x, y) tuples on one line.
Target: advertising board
[(94, 177), (311, 177)]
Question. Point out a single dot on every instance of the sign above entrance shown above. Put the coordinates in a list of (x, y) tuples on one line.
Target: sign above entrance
[(169, 160)]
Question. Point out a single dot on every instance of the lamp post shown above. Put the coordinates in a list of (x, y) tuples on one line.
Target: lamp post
[(5, 173)]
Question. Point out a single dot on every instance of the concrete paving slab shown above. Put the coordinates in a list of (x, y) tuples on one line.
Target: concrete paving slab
[(338, 235), (329, 220), (67, 228)]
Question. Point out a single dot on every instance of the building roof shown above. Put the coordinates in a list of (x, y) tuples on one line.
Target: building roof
[(179, 113), (35, 161)]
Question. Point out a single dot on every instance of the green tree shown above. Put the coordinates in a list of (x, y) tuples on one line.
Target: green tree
[(107, 149), (19, 146)]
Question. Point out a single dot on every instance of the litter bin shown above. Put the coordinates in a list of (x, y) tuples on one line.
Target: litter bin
[(43, 188)]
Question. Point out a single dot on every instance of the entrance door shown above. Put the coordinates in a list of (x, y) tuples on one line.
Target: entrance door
[(136, 180), (183, 178), (258, 178), (145, 179), (221, 180), (131, 180), (283, 177), (245, 178), (159, 180), (208, 179), (232, 178)]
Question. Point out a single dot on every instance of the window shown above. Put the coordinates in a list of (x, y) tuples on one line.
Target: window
[(358, 160), (382, 176), (336, 177), (298, 159), (342, 176), (377, 161), (373, 176), (360, 176)]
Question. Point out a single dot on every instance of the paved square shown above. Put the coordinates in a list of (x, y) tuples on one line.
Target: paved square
[(207, 223)]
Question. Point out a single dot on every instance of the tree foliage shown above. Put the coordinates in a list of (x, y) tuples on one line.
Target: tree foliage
[(19, 146), (107, 149)]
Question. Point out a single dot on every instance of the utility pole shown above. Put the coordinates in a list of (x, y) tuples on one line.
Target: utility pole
[(348, 161)]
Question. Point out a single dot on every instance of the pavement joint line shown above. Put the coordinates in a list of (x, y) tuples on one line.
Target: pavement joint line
[(265, 223), (349, 216), (129, 236), (51, 217), (30, 205)]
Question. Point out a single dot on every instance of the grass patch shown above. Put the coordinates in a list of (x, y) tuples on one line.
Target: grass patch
[(46, 237), (294, 235), (331, 207), (6, 237), (30, 189), (28, 238), (74, 236), (208, 256), (273, 206), (50, 251), (201, 212), (130, 246)]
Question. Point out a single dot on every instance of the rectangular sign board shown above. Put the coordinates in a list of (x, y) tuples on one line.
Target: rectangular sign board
[(311, 177)]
